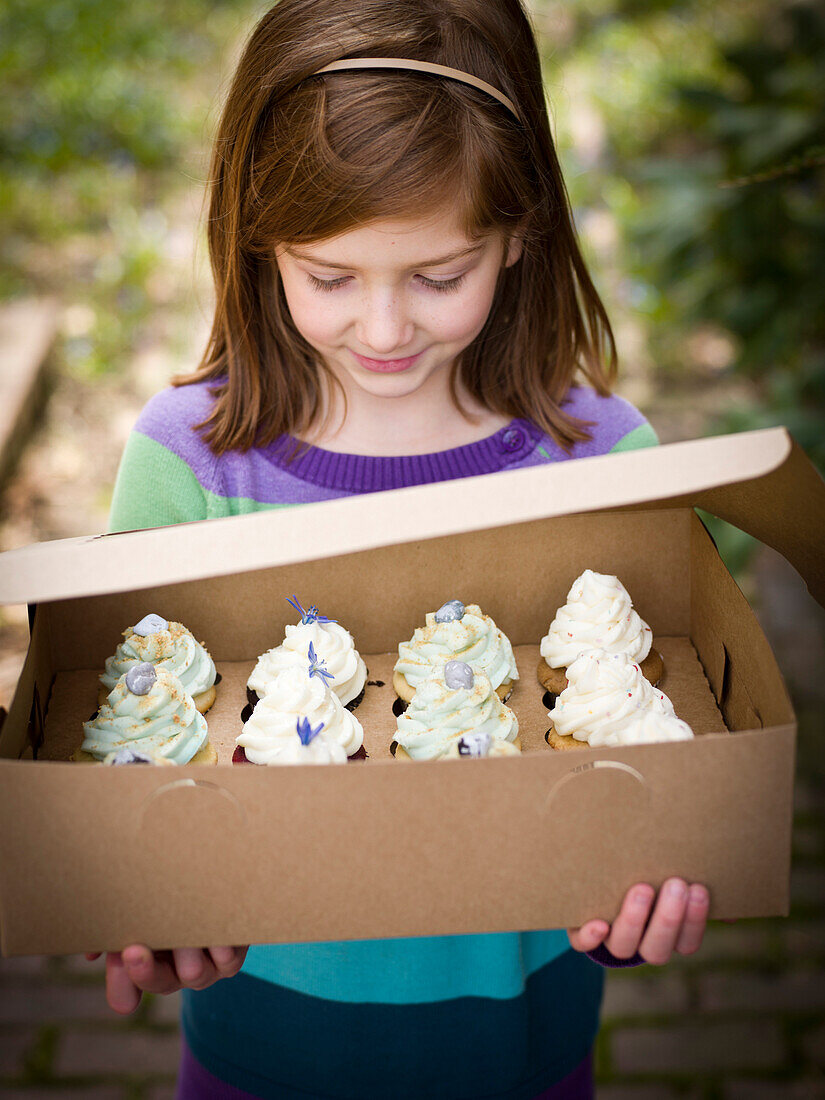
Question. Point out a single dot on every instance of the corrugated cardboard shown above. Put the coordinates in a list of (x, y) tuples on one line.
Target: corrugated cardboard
[(96, 858)]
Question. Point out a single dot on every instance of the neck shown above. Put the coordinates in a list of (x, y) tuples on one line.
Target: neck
[(422, 422)]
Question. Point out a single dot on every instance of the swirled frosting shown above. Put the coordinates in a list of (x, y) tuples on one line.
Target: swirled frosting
[(439, 715), (598, 615), (605, 694), (174, 649), (494, 748), (163, 722), (291, 695), (474, 638), (650, 726), (333, 644), (318, 751), (128, 755)]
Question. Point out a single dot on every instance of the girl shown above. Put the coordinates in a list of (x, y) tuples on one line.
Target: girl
[(400, 299)]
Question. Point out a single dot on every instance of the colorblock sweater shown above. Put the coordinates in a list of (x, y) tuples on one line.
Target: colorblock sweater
[(495, 1016)]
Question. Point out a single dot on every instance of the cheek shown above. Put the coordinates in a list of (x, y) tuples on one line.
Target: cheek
[(316, 319), (462, 316)]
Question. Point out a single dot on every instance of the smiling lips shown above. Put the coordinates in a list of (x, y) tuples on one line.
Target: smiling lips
[(386, 366)]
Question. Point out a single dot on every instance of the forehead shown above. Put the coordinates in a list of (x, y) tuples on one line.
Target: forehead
[(415, 241)]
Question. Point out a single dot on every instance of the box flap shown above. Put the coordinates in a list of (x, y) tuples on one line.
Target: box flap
[(761, 481), (785, 510)]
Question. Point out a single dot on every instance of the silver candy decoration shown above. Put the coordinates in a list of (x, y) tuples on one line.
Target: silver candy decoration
[(150, 624), (458, 674), (450, 612), (140, 679), (475, 744), (128, 756)]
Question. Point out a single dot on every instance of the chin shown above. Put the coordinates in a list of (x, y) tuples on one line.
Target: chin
[(392, 385)]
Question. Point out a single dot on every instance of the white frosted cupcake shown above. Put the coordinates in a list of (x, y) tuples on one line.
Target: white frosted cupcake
[(305, 746), (149, 711), (333, 644), (598, 614), (452, 703), (603, 703), (171, 647), (460, 633), (298, 693)]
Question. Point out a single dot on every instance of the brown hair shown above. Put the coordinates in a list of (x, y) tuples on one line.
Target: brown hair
[(300, 160)]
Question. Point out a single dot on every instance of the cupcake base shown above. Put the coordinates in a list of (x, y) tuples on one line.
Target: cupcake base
[(563, 743), (353, 703), (555, 679)]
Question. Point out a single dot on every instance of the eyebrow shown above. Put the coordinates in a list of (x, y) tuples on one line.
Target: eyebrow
[(461, 253)]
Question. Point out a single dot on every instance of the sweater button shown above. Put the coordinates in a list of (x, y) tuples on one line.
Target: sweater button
[(512, 439)]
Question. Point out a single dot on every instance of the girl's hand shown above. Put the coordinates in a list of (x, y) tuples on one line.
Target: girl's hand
[(677, 924), (137, 970)]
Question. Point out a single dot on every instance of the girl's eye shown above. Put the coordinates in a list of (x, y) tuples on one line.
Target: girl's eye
[(326, 284), (442, 284)]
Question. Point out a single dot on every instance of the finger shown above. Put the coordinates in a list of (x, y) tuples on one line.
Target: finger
[(589, 936), (696, 919), (227, 960), (92, 955), (121, 992), (194, 967), (665, 925), (628, 928), (150, 971)]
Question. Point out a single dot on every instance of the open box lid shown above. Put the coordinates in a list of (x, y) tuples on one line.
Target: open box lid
[(761, 481)]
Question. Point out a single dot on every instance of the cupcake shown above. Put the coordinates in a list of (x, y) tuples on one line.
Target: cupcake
[(607, 702), (303, 747), (295, 693), (148, 711), (455, 632), (452, 703), (598, 615), (169, 646), (333, 644)]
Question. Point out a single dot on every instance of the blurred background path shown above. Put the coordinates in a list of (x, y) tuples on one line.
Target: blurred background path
[(716, 297)]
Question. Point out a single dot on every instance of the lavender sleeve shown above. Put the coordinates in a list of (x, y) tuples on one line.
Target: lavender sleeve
[(604, 958)]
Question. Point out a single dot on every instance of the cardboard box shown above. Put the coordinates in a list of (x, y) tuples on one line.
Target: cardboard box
[(95, 858)]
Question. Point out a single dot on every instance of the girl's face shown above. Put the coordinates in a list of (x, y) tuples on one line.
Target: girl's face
[(390, 305)]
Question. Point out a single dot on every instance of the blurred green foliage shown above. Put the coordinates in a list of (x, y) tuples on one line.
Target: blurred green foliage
[(745, 246), (713, 163), (105, 116), (699, 125)]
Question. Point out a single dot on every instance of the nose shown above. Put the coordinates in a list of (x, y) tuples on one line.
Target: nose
[(384, 324)]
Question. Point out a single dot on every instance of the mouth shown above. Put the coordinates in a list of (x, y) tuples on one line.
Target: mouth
[(387, 366)]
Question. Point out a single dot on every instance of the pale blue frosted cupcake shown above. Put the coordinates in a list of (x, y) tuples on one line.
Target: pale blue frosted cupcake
[(149, 711)]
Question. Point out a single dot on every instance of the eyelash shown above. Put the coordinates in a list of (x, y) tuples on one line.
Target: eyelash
[(442, 286)]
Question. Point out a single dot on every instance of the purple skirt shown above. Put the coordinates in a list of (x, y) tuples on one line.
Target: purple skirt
[(196, 1083)]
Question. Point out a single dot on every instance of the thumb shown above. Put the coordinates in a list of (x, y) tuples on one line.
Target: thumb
[(589, 936)]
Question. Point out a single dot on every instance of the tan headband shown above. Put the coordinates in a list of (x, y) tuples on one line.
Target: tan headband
[(420, 67)]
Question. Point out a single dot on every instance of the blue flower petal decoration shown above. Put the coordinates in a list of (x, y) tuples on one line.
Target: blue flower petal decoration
[(318, 667), (311, 615), (305, 731)]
